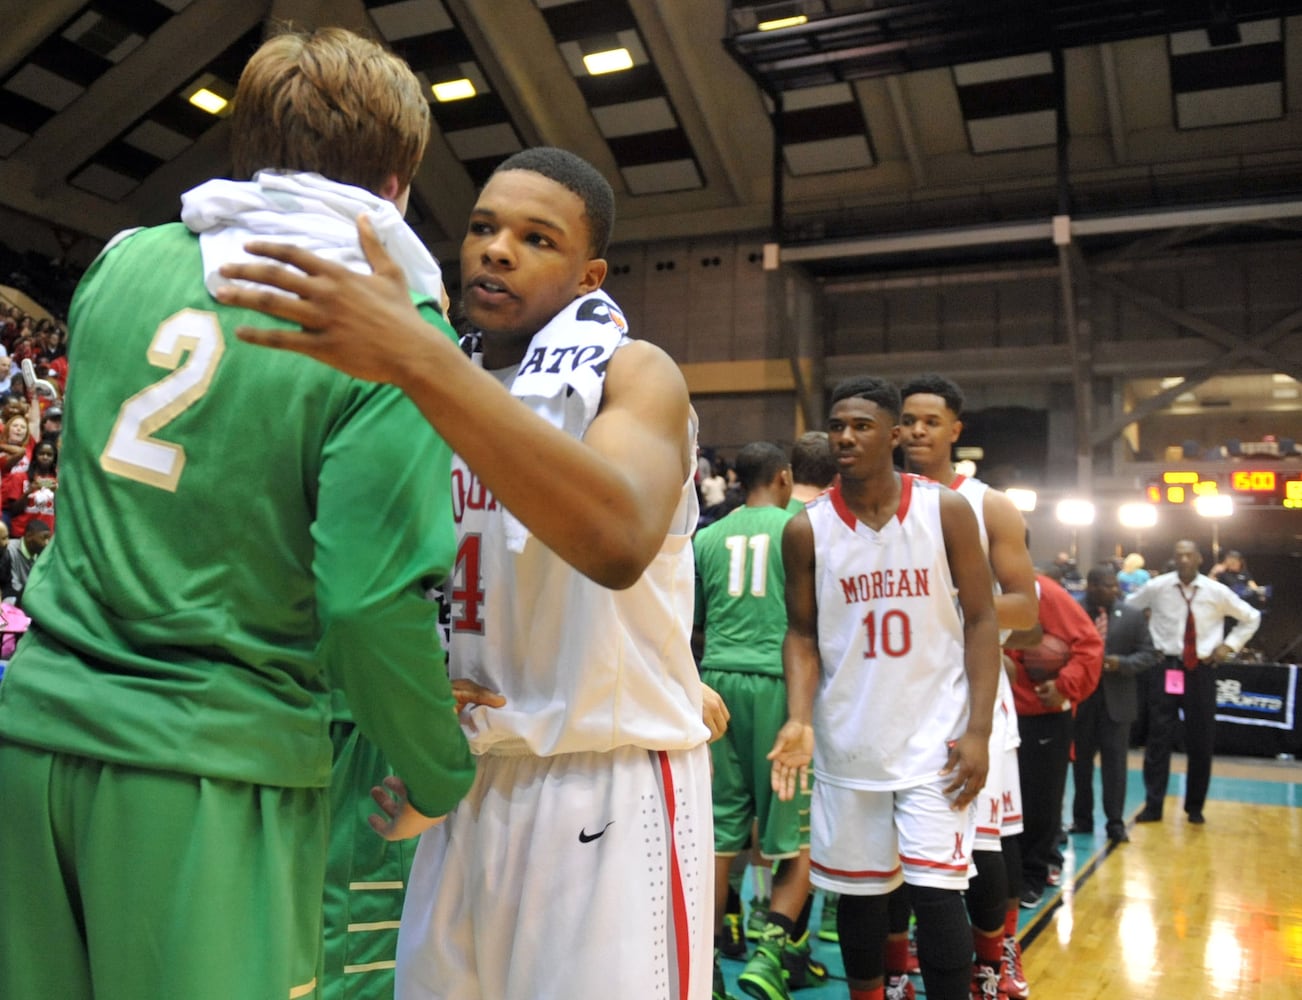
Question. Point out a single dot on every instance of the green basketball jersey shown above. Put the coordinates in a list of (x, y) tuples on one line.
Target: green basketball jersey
[(739, 590), (236, 525)]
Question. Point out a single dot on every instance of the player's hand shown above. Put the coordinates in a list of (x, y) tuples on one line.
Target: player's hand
[(792, 751), (969, 760), (400, 821), (469, 693), (1049, 695), (362, 324), (1220, 654), (714, 712)]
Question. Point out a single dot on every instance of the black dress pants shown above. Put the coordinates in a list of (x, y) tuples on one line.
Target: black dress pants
[(1199, 705)]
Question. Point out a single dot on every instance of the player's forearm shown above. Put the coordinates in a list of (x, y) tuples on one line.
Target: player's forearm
[(1016, 611), (386, 661), (800, 667), (575, 501), (981, 663)]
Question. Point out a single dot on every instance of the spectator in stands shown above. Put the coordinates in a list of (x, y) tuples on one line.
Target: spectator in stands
[(29, 495), (1233, 572), (17, 444), (22, 554), (1132, 575), (52, 425)]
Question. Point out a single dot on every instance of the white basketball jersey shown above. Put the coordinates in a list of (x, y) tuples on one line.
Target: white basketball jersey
[(893, 692), (582, 667), (974, 492)]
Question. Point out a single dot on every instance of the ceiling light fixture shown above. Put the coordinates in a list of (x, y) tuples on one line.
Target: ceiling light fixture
[(777, 24), (206, 100), (453, 90), (608, 61)]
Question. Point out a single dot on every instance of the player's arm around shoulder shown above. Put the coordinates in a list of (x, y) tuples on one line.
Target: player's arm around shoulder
[(1016, 606)]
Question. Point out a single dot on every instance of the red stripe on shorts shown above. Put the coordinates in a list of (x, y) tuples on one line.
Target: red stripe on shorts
[(844, 873), (681, 936), (923, 863)]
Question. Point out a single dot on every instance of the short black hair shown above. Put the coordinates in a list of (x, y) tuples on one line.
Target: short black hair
[(811, 460), (757, 463), (577, 175), (935, 385), (869, 387), (37, 527)]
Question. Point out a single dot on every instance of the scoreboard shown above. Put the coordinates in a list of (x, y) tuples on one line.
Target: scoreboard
[(1248, 487)]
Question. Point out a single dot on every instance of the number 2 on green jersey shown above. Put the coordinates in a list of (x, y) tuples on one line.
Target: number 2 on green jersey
[(132, 450)]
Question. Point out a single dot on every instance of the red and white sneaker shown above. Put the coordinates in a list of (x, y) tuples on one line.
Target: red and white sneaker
[(985, 983), (898, 987), (1012, 982)]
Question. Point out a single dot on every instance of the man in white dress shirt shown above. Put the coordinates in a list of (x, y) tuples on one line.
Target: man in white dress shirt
[(1187, 613)]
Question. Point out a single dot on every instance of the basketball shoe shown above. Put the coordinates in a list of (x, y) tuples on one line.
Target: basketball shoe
[(764, 976), (731, 942), (801, 967), (985, 983), (1011, 979), (899, 988)]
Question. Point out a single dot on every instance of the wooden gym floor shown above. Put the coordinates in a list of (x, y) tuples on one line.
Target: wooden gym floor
[(1181, 911)]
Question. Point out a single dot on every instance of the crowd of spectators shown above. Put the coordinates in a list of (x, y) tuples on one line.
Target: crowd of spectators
[(31, 419)]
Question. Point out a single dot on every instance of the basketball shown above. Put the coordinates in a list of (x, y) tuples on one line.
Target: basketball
[(1043, 662)]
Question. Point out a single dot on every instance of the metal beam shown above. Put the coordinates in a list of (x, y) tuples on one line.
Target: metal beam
[(904, 120), (1217, 366), (1197, 324), (1034, 230), (1112, 91)]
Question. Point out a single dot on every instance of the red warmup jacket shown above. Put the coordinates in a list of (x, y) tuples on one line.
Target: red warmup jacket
[(1062, 616)]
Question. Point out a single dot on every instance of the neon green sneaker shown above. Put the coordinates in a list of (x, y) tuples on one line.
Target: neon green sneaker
[(800, 965), (758, 918), (827, 922), (764, 977)]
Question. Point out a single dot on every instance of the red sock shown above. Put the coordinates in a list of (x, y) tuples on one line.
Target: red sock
[(989, 950), (1010, 921), (897, 954)]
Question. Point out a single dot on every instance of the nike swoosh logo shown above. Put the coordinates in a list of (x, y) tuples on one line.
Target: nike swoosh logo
[(1045, 740), (588, 838)]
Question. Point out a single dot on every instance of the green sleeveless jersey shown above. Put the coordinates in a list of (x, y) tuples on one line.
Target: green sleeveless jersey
[(740, 584), (238, 528)]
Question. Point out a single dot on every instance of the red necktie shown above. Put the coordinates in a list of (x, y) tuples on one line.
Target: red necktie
[(1190, 655)]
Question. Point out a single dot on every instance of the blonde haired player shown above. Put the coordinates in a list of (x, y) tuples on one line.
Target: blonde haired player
[(164, 726)]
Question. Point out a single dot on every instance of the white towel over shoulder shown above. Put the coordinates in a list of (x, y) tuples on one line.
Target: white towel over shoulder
[(309, 211)]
